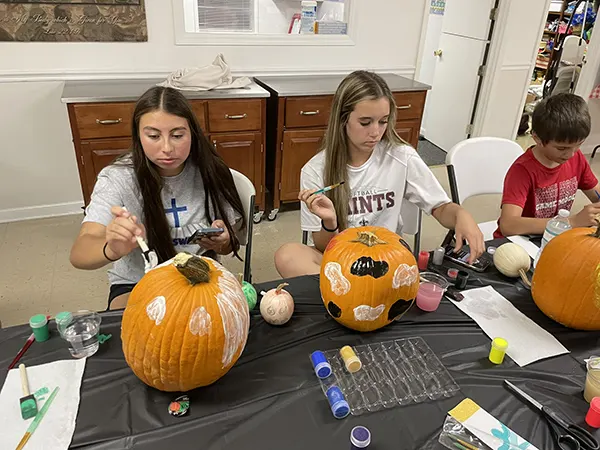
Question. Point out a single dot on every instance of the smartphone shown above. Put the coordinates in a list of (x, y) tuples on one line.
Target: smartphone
[(205, 232), (462, 258)]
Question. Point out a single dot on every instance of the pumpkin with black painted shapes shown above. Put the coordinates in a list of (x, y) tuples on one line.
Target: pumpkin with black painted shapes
[(185, 325), (566, 281), (369, 278)]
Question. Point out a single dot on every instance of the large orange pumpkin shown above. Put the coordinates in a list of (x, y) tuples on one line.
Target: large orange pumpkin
[(185, 324), (566, 281), (369, 277)]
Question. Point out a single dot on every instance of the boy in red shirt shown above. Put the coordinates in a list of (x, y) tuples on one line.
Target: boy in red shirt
[(546, 178)]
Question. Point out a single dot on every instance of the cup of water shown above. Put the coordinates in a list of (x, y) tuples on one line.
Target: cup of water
[(82, 333), (431, 291)]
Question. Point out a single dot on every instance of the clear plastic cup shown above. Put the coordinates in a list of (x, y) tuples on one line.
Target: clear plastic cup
[(82, 333), (592, 379), (431, 291)]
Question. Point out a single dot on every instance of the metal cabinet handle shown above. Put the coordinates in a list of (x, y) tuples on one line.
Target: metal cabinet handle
[(239, 116), (309, 113), (109, 121), (215, 144), (404, 107)]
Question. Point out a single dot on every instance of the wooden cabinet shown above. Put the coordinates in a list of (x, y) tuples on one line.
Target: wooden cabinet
[(298, 147), (102, 131), (409, 130)]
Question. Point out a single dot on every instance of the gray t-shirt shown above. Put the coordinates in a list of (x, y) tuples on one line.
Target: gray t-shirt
[(183, 200)]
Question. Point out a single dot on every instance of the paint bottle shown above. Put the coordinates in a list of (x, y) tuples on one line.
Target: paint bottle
[(592, 379), (320, 364), (351, 361), (592, 417), (498, 350), (423, 260), (39, 326), (438, 256), (360, 438), (63, 320), (337, 402)]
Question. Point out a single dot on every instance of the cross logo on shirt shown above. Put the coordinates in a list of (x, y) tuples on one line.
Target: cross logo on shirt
[(175, 210), (364, 222)]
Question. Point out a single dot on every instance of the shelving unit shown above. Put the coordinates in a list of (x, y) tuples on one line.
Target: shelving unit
[(541, 64)]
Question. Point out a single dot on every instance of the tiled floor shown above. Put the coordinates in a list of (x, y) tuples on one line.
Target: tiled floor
[(36, 277)]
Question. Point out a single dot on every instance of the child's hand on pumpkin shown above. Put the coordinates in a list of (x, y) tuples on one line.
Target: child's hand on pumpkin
[(121, 233), (219, 243), (585, 217), (320, 205)]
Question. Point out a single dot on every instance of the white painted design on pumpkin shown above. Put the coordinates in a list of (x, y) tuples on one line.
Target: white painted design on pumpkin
[(234, 314), (366, 313), (157, 309), (200, 322), (339, 283), (405, 275)]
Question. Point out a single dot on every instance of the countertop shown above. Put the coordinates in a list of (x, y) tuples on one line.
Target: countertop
[(293, 86), (130, 90)]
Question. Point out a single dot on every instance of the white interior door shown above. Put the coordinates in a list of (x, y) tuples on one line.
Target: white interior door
[(451, 101)]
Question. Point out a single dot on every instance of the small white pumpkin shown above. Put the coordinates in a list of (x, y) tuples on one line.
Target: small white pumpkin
[(277, 305), (513, 261)]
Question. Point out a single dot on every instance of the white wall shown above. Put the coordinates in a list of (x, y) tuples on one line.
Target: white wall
[(38, 174), (507, 81)]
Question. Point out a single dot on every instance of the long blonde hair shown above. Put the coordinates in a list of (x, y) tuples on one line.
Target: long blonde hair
[(356, 87)]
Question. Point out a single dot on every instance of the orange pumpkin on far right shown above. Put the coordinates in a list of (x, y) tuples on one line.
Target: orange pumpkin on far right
[(566, 281)]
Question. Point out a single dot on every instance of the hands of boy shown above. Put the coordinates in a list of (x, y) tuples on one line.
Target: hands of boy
[(586, 217), (320, 205), (121, 233), (219, 243), (467, 228)]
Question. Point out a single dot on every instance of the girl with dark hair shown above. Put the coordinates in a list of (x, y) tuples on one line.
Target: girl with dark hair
[(171, 184)]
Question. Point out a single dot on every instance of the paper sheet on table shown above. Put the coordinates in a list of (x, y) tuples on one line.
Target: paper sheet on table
[(526, 245), (497, 317), (56, 429)]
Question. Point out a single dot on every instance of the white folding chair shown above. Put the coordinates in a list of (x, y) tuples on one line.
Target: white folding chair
[(478, 166), (247, 194), (411, 220)]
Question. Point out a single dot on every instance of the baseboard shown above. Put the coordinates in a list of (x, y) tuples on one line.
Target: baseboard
[(40, 212)]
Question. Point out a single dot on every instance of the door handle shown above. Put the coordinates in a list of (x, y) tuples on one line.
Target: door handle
[(309, 113), (438, 52), (239, 116), (109, 121), (404, 106), (215, 144)]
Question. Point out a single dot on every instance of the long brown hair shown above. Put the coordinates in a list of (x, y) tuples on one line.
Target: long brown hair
[(219, 187), (356, 87)]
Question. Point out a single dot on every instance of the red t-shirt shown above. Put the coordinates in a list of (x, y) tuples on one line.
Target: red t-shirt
[(542, 191)]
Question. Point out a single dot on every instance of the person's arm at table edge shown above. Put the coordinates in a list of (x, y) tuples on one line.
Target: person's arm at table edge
[(512, 223)]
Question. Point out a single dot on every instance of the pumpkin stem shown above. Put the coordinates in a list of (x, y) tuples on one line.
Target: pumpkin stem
[(280, 287), (597, 233), (369, 239), (240, 278), (193, 267), (524, 277)]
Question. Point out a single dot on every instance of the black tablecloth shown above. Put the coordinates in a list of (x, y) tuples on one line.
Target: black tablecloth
[(271, 398)]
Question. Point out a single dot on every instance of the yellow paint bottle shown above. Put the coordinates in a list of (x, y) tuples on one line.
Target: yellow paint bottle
[(351, 361), (498, 350)]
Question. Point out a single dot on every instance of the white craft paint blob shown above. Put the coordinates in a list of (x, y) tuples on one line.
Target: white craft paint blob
[(234, 314), (156, 309), (339, 283), (200, 322), (405, 275), (366, 313)]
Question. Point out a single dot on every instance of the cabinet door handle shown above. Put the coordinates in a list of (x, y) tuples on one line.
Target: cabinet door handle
[(109, 121), (404, 106), (215, 144), (239, 116), (309, 113)]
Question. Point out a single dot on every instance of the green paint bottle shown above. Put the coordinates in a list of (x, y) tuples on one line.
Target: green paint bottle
[(39, 326)]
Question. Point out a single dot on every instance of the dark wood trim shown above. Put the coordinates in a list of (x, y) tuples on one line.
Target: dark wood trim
[(78, 153)]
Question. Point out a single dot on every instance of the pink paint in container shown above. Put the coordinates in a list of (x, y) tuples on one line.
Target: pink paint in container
[(431, 291)]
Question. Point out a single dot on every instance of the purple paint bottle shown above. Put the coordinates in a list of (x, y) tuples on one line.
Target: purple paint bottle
[(360, 438)]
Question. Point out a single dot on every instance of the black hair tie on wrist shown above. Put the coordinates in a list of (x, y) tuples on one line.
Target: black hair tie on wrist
[(105, 255), (327, 229)]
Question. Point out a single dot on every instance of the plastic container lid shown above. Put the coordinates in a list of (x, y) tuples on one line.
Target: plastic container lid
[(500, 343), (38, 321), (323, 370), (453, 273), (360, 437), (592, 418), (64, 318), (340, 409), (353, 364), (491, 250), (563, 213)]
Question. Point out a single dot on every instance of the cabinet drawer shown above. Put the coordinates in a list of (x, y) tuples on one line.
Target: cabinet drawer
[(307, 111), (234, 115), (99, 120), (409, 105)]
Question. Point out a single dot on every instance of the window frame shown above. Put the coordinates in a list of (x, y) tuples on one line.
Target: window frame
[(246, 38)]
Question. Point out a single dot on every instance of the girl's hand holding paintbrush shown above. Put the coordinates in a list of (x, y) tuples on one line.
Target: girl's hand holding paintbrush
[(320, 205), (121, 233)]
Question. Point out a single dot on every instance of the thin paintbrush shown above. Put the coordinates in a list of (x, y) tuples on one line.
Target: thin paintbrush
[(38, 418), (328, 188), (149, 255)]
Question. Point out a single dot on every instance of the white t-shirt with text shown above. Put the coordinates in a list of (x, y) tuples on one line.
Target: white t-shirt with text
[(377, 188)]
